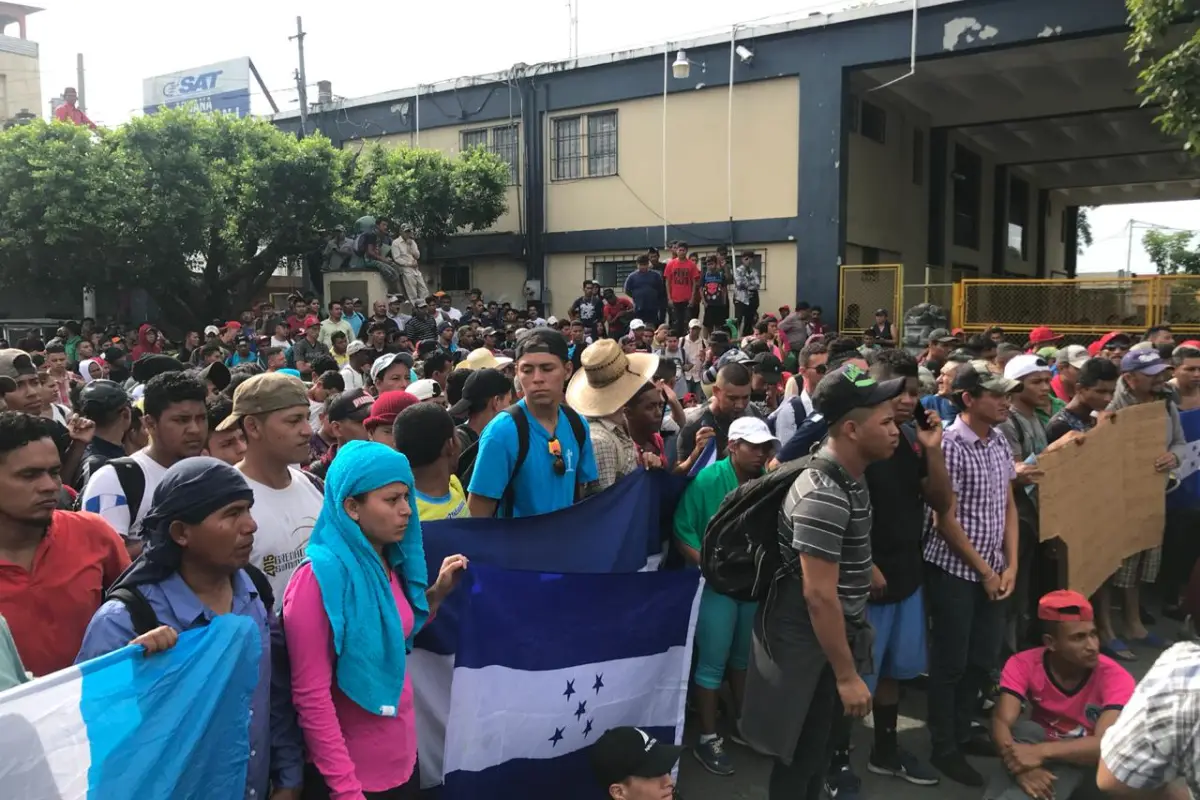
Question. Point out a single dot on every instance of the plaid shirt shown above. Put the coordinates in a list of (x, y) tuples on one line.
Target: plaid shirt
[(981, 473), (616, 453), (1154, 740)]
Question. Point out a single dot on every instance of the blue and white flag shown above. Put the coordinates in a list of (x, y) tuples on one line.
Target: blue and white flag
[(547, 663), (1187, 495), (707, 456), (124, 725), (608, 534)]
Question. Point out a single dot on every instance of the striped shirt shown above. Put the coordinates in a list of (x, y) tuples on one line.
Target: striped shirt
[(981, 474), (1154, 740), (820, 520)]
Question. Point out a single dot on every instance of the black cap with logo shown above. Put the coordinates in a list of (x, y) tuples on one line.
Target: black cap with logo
[(849, 388), (628, 752), (481, 386), (354, 405)]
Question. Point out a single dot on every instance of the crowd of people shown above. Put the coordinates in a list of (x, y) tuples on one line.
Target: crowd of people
[(268, 465)]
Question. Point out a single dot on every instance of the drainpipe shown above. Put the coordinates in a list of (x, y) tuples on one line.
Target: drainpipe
[(666, 77), (417, 117), (729, 136)]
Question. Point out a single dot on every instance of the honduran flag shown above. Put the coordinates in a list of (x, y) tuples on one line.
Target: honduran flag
[(546, 663), (601, 542), (1187, 493), (125, 726)]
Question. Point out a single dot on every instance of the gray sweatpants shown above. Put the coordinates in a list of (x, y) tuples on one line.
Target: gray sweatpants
[(1068, 777)]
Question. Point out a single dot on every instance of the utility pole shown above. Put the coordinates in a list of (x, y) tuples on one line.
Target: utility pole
[(301, 77), (80, 89)]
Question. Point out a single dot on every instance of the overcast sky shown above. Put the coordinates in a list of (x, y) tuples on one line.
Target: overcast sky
[(369, 46)]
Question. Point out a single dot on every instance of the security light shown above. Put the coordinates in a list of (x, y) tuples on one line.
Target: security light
[(745, 54), (682, 67)]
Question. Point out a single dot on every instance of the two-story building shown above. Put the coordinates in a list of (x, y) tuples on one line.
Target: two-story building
[(957, 135)]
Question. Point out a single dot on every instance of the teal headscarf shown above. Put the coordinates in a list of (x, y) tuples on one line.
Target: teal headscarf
[(367, 635)]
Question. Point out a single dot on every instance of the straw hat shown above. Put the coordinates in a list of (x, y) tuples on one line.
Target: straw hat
[(482, 358), (609, 378)]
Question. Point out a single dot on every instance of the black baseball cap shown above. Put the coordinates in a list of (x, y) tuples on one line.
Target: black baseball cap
[(544, 340), (481, 386), (628, 752), (218, 374), (848, 388), (101, 397), (770, 367), (153, 364), (354, 405)]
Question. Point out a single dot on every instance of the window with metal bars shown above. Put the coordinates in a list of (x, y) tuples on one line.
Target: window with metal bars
[(584, 146), (611, 271), (506, 144), (473, 139)]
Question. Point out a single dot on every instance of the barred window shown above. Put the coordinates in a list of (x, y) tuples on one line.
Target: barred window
[(611, 271), (584, 146), (602, 144), (473, 139), (506, 144), (568, 150), (455, 278)]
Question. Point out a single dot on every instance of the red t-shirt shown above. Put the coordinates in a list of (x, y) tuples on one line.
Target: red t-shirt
[(1066, 714), (681, 277), (613, 310), (49, 607)]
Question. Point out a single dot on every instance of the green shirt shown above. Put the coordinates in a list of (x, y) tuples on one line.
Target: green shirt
[(701, 499), (12, 672), (1056, 406)]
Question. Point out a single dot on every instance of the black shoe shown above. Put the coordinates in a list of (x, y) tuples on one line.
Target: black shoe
[(955, 767), (979, 745), (1174, 613)]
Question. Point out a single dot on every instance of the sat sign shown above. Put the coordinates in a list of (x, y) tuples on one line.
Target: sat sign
[(223, 87)]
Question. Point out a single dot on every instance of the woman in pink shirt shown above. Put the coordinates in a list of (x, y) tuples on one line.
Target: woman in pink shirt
[(350, 612)]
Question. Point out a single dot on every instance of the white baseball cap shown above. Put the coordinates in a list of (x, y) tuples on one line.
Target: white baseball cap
[(424, 389), (636, 325), (752, 430), (694, 324), (213, 329), (357, 346), (381, 364), (1025, 365)]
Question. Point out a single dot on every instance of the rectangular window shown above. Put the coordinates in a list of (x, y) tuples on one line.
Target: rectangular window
[(506, 144), (584, 147), (473, 139), (918, 157), (611, 271), (968, 194), (568, 149), (602, 144), (455, 278), (873, 120), (1018, 218)]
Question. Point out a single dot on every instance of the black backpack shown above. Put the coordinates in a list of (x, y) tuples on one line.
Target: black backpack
[(740, 555), (505, 507), (143, 618), (133, 486), (468, 440)]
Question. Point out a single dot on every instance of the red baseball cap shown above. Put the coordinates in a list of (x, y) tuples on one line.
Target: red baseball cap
[(233, 323), (1064, 605), (1191, 343), (388, 406), (1043, 335), (310, 321)]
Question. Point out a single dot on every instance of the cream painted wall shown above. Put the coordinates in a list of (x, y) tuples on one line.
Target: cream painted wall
[(448, 140), (498, 277), (565, 273), (765, 160), (884, 208), (20, 85)]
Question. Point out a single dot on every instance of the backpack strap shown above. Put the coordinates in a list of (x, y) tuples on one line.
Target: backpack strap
[(580, 435), (508, 497), (834, 472), (133, 486), (141, 615), (261, 585)]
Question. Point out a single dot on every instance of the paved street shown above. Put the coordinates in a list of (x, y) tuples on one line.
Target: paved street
[(750, 782)]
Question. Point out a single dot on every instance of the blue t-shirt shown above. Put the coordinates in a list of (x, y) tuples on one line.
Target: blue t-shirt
[(646, 290), (236, 359), (537, 490), (942, 405)]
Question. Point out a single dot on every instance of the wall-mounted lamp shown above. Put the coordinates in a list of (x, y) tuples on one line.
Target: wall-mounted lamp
[(745, 54), (683, 65)]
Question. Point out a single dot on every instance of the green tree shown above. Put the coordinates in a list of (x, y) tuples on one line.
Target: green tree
[(200, 210), (1169, 65), (1083, 226), (1172, 252)]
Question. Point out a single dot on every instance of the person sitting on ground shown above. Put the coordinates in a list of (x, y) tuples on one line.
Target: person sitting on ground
[(1074, 695), (632, 765)]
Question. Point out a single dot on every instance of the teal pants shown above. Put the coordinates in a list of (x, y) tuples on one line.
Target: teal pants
[(723, 630)]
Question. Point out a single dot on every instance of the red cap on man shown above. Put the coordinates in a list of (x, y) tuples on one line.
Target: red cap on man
[(1064, 605)]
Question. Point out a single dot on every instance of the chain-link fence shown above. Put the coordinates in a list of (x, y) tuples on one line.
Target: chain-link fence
[(1090, 304), (1177, 302), (865, 288)]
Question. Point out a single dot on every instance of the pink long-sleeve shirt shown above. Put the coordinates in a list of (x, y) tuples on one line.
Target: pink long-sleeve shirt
[(356, 751)]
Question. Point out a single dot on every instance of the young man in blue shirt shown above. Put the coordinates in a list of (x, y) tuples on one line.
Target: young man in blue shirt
[(557, 460)]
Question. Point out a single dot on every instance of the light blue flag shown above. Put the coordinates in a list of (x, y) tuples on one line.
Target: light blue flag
[(546, 663), (1187, 494), (174, 725), (707, 456)]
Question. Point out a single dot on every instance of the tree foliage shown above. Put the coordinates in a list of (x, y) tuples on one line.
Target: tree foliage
[(1169, 64), (1083, 226), (200, 210), (1172, 252)]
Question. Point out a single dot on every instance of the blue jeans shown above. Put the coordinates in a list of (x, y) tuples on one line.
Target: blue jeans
[(965, 640)]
